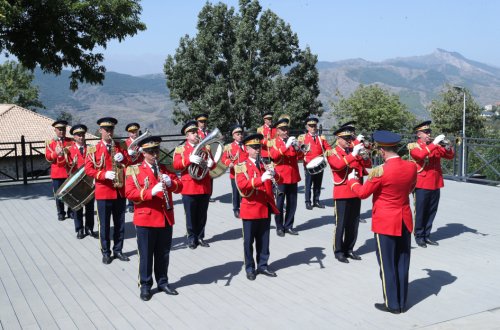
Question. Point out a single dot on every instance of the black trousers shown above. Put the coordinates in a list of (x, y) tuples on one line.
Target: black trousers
[(196, 207), (153, 246), (284, 222), (236, 195), (116, 208), (89, 216), (347, 223), (56, 184), (393, 256), (256, 230), (426, 206), (314, 182)]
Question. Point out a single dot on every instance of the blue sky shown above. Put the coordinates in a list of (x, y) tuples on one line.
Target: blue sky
[(334, 30)]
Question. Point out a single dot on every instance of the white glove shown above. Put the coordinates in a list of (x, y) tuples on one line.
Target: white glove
[(438, 139), (352, 175), (360, 137), (110, 175), (195, 159), (290, 141), (266, 176), (210, 162), (156, 189), (131, 152), (167, 180), (357, 148), (118, 157)]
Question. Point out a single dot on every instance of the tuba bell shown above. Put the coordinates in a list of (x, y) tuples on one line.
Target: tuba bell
[(199, 171)]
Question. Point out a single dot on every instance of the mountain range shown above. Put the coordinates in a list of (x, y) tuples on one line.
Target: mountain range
[(145, 99)]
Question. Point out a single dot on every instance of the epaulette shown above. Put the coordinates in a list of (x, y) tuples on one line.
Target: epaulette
[(270, 143), (227, 147), (240, 168), (179, 150), (330, 152), (260, 130), (413, 145), (376, 172), (91, 149), (133, 169), (301, 137)]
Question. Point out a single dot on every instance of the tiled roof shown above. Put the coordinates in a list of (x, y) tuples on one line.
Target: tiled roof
[(16, 121)]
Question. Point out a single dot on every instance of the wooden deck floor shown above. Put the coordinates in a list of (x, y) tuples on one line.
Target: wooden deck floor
[(50, 280)]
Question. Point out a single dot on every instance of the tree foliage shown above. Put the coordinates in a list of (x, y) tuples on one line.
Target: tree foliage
[(16, 86), (373, 108), (240, 65), (447, 113), (63, 33)]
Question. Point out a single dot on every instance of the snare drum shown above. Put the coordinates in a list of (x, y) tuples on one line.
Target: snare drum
[(316, 165), (77, 190)]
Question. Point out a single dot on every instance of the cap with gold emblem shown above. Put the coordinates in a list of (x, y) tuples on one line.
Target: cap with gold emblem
[(253, 139), (107, 122), (150, 142), (268, 115), (282, 123), (425, 126), (132, 127), (189, 126), (60, 124), (201, 117), (236, 128), (312, 121), (345, 132), (78, 129)]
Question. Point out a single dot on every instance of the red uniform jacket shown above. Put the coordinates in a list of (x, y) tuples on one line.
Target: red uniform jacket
[(256, 196), (59, 165), (97, 162), (390, 184), (77, 160), (190, 186), (233, 154), (428, 159), (269, 134), (149, 210), (286, 161), (138, 157), (317, 147), (342, 164), (203, 134)]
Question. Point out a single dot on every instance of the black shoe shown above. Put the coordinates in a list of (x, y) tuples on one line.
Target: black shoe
[(309, 206), (130, 209), (342, 259), (291, 232), (60, 217), (211, 200), (192, 246), (106, 259), (121, 256), (280, 232), (201, 242), (353, 256), (236, 213), (421, 244), (145, 294), (267, 272), (168, 290), (431, 242), (251, 276), (91, 233), (80, 234), (382, 307), (319, 205)]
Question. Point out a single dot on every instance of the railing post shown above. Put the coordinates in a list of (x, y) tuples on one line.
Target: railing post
[(23, 160), (464, 160)]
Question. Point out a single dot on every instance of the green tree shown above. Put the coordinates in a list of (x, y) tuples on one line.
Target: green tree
[(373, 108), (16, 86), (63, 33), (447, 113), (240, 65), (64, 115)]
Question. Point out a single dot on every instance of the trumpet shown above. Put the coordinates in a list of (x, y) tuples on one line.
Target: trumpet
[(445, 143), (270, 167), (165, 192)]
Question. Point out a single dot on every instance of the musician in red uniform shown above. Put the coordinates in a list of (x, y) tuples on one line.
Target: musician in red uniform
[(269, 133), (56, 153), (343, 160), (257, 204), (150, 186), (195, 191), (427, 153), (136, 157), (286, 153), (234, 153), (390, 184), (316, 147), (202, 123), (106, 162), (77, 154)]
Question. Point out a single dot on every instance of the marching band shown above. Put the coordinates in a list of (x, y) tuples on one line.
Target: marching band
[(264, 176)]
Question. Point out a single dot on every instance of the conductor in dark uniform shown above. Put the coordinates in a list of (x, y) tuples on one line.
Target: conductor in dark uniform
[(392, 223)]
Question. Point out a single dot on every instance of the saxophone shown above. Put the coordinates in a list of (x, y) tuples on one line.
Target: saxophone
[(117, 168)]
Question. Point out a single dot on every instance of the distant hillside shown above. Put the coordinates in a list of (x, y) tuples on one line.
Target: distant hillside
[(145, 99)]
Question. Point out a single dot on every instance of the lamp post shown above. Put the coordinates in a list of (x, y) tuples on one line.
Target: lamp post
[(463, 132)]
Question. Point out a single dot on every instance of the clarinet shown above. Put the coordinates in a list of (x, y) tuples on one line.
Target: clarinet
[(165, 192)]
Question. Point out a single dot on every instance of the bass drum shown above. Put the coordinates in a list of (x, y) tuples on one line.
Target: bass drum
[(77, 190), (316, 165)]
